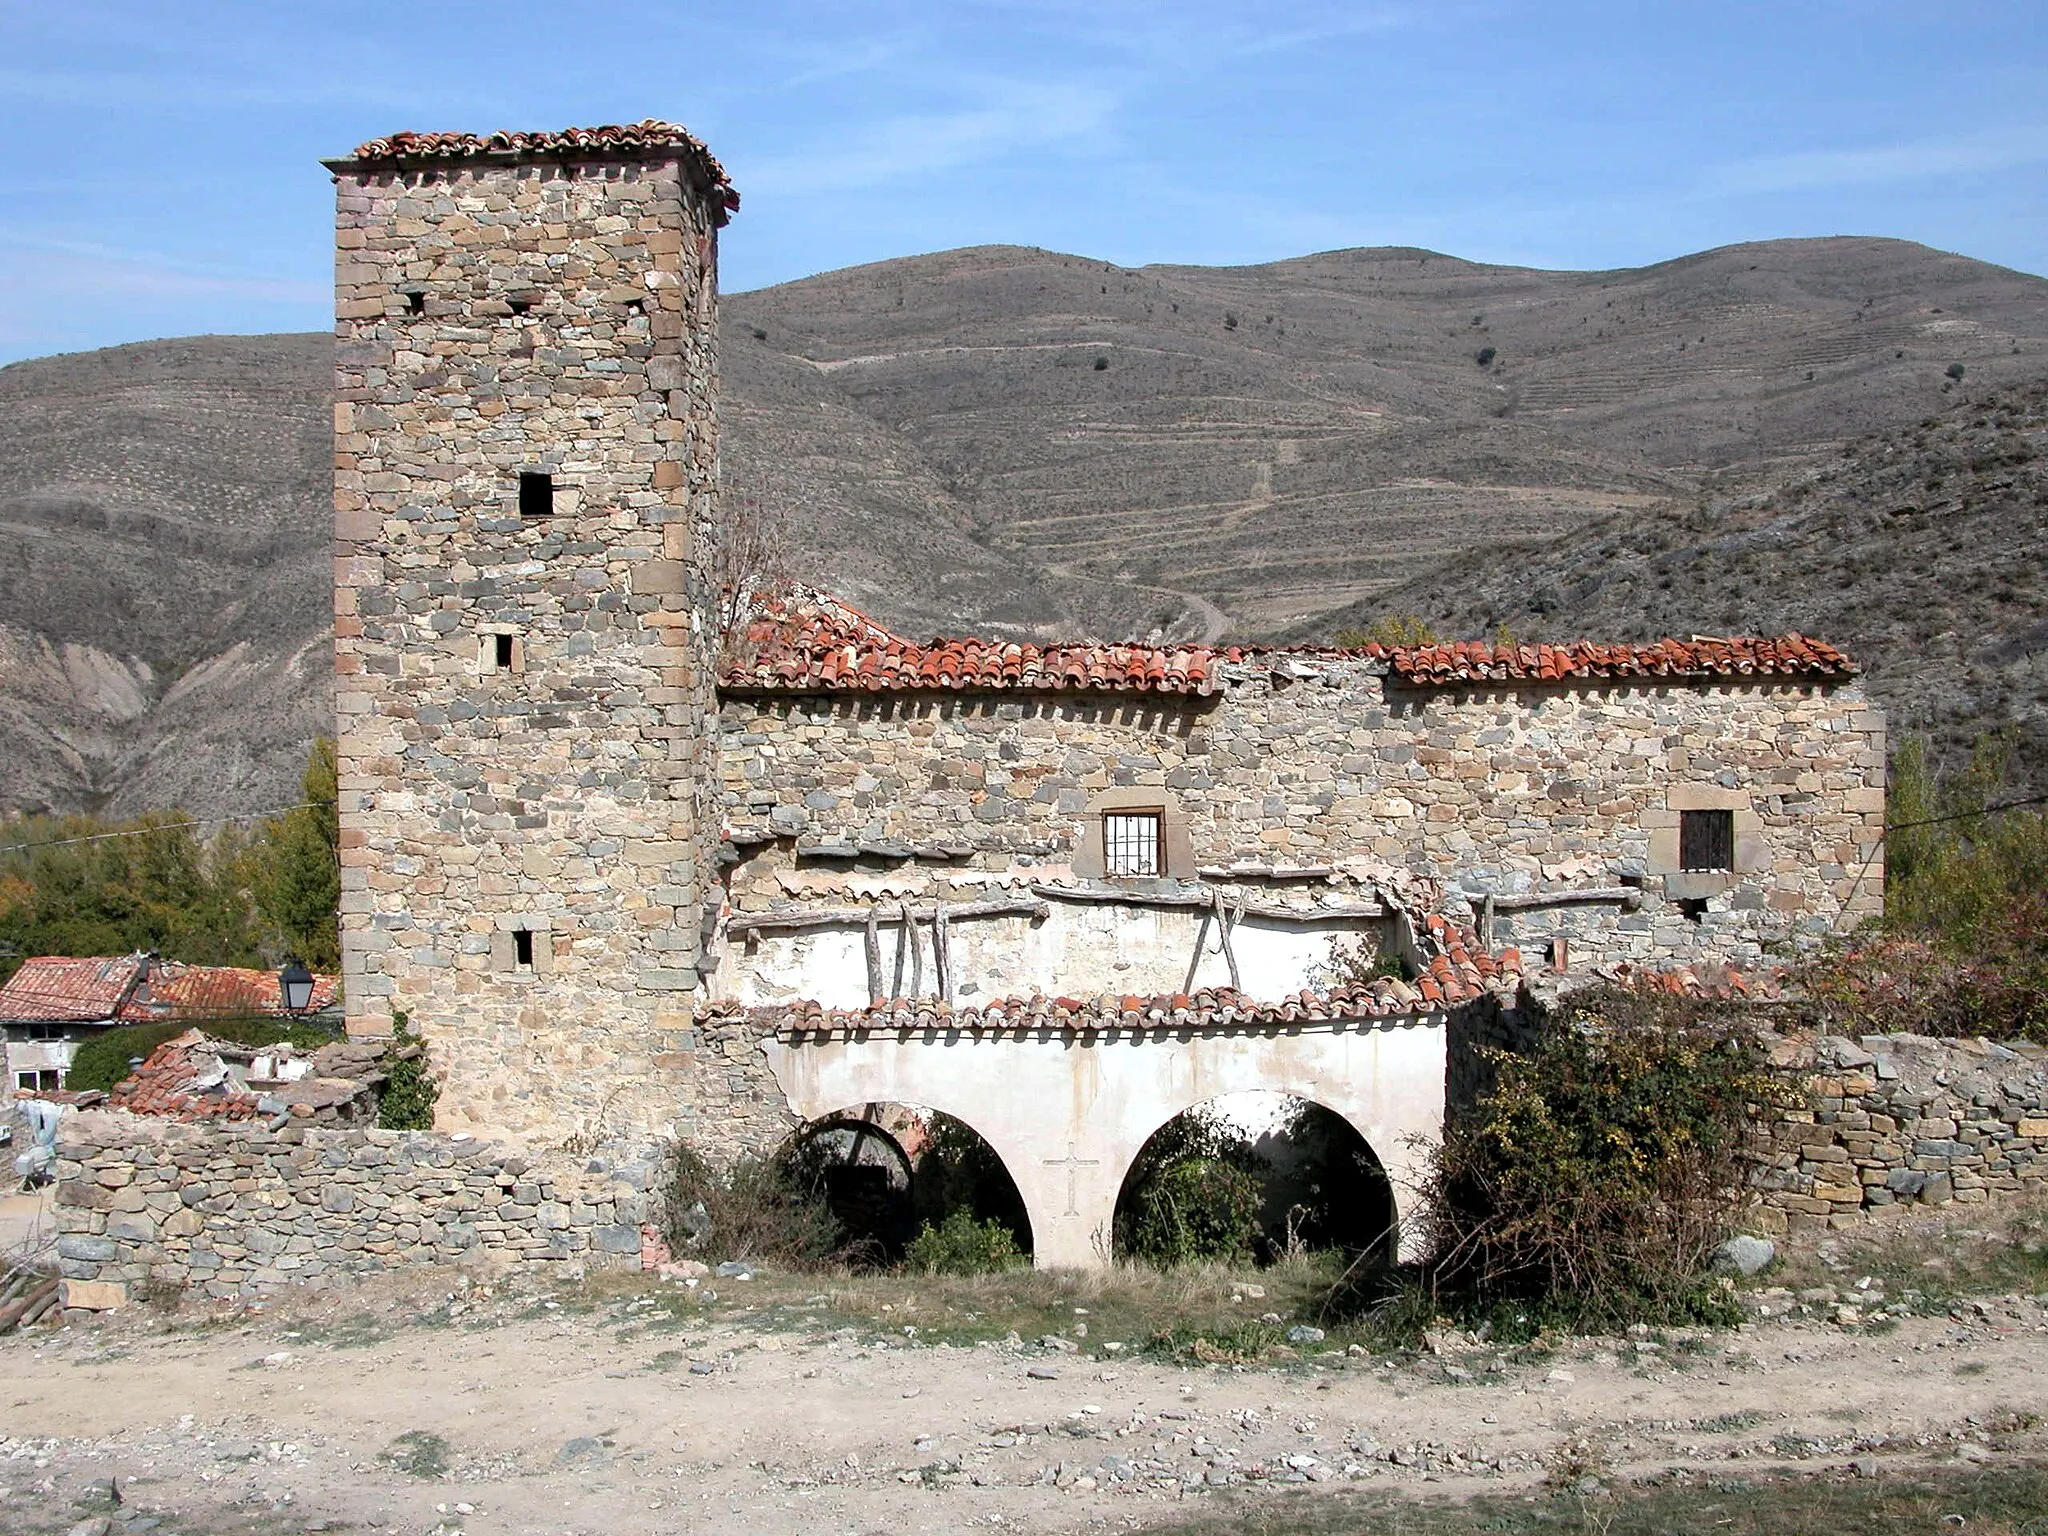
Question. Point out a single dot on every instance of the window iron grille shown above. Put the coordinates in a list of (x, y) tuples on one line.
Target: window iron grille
[(1706, 841), (1132, 843)]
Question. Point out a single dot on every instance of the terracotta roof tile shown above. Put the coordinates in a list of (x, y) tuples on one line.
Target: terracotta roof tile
[(811, 642), (1703, 657), (610, 140), (1713, 979), (63, 989)]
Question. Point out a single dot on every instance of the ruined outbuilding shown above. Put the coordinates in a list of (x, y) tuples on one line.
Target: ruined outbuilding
[(630, 876)]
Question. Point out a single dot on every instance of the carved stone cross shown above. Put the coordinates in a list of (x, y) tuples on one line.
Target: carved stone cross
[(1072, 1164)]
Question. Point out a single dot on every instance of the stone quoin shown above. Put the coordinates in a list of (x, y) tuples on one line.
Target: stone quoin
[(631, 877)]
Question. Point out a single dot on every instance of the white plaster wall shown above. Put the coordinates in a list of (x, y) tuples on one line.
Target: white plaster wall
[(1077, 950), (1068, 1113)]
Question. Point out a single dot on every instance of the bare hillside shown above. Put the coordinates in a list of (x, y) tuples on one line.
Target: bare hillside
[(1003, 439), (1922, 549)]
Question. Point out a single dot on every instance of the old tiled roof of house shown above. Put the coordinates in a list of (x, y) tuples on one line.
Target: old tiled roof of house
[(61, 989), (141, 989), (1702, 658), (174, 991), (809, 642), (610, 139)]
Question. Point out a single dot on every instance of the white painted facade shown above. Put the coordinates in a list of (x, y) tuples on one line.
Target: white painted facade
[(1079, 949), (1068, 1112)]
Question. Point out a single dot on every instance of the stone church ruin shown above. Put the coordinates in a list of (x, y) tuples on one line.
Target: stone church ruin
[(632, 877)]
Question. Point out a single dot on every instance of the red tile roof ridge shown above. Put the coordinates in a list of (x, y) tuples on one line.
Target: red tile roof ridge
[(1382, 998), (609, 139), (803, 639)]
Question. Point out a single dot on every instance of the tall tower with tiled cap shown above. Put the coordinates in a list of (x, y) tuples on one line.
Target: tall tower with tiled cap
[(526, 454)]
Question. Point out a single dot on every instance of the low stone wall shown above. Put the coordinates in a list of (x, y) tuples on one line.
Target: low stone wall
[(233, 1211), (1899, 1119)]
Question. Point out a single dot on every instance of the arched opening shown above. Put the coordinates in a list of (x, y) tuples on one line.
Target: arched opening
[(887, 1172), (1255, 1177)]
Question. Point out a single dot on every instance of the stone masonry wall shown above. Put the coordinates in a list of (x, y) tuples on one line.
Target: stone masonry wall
[(1317, 763), (234, 1211), (498, 317), (1900, 1119)]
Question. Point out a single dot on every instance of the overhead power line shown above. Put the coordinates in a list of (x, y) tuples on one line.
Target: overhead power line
[(162, 826)]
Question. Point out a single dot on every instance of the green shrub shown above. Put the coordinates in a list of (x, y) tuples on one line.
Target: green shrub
[(103, 1060), (1591, 1184), (1192, 1210), (960, 1245), (765, 1208), (407, 1103), (958, 1171)]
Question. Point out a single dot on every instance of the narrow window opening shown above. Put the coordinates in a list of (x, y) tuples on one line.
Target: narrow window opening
[(522, 948), (521, 305), (637, 306), (415, 302), (536, 494), (1132, 842), (1693, 908), (1706, 841), (501, 649)]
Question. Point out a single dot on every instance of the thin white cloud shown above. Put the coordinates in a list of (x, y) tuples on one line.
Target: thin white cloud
[(56, 266), (1813, 170), (1016, 116), (124, 89)]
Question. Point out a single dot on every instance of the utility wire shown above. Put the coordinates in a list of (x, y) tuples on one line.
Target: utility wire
[(162, 826), (1989, 810)]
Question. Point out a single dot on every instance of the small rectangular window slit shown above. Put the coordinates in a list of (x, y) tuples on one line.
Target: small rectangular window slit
[(415, 303), (520, 306), (536, 494), (501, 649), (522, 948)]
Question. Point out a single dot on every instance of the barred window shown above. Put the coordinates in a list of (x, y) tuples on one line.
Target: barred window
[(1132, 842), (1706, 841)]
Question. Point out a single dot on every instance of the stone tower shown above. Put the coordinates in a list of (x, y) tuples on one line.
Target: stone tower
[(526, 451)]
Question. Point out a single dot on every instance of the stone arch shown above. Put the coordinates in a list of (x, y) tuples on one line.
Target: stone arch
[(1376, 1233), (934, 1169)]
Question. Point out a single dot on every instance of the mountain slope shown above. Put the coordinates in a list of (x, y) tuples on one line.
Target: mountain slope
[(1004, 439), (1922, 549)]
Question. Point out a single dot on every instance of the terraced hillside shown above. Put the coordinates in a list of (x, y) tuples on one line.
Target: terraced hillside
[(1003, 439), (1281, 439)]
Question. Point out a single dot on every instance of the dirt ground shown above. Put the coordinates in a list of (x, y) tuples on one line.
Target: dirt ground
[(429, 1406)]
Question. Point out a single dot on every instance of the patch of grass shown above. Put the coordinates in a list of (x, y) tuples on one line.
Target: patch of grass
[(417, 1453), (2005, 1501)]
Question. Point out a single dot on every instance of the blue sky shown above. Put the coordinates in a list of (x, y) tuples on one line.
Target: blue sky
[(160, 173)]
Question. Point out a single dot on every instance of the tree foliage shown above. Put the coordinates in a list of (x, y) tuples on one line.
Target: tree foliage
[(78, 885), (297, 871), (84, 885), (1192, 1195)]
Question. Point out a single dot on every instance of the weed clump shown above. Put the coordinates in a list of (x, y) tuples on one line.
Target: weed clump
[(1591, 1185), (772, 1209), (961, 1245)]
